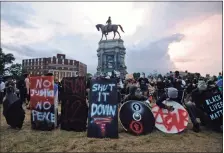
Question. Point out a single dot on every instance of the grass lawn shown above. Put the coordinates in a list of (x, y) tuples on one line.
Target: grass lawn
[(27, 140)]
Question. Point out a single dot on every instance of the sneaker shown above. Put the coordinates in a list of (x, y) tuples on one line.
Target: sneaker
[(196, 127)]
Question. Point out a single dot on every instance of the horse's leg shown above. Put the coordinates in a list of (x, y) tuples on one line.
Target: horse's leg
[(106, 36), (101, 37), (119, 35), (114, 34)]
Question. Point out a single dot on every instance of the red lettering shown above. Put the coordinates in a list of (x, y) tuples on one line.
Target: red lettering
[(170, 119), (76, 86)]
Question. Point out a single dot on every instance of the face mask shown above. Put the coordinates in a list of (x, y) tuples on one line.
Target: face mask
[(138, 92)]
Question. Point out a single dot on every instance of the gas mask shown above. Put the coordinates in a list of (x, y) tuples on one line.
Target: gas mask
[(138, 92), (10, 87)]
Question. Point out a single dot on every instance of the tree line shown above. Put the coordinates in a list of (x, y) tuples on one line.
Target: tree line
[(7, 65)]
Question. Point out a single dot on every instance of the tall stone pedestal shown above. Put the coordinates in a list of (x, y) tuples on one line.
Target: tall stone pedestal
[(111, 56)]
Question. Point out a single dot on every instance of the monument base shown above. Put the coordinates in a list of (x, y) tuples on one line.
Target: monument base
[(111, 56)]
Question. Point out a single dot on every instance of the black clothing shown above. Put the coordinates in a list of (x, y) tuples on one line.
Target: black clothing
[(88, 84), (21, 85), (143, 84), (134, 97), (199, 97), (13, 111), (163, 97), (160, 85)]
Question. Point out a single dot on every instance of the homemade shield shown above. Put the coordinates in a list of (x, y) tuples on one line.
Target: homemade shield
[(13, 111), (103, 109), (170, 121), (74, 110), (136, 117), (42, 103)]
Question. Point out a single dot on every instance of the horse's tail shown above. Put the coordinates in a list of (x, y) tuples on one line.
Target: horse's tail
[(121, 28)]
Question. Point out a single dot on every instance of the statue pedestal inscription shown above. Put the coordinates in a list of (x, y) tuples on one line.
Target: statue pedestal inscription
[(111, 56)]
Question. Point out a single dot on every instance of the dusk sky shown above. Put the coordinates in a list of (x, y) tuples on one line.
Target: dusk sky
[(160, 36)]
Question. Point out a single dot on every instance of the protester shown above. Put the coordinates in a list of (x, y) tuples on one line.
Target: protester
[(27, 89), (135, 94), (58, 83), (220, 76), (160, 87), (195, 108), (12, 108), (2, 90), (171, 94), (21, 85), (143, 83)]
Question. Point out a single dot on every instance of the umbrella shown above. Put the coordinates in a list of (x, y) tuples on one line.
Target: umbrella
[(219, 83)]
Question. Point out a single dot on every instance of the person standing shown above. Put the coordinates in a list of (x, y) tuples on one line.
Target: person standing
[(57, 82), (2, 89), (220, 76), (21, 86), (27, 89), (143, 82)]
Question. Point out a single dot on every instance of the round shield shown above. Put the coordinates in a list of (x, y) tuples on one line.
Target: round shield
[(136, 117), (170, 121)]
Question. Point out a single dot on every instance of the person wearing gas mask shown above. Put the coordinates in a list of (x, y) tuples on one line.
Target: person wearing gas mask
[(160, 86), (12, 108), (135, 94), (143, 83), (179, 84), (196, 110), (171, 94), (167, 83)]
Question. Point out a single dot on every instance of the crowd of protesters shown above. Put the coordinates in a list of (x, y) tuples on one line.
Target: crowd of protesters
[(186, 90)]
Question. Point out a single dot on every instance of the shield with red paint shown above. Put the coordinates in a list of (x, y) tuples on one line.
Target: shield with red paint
[(136, 117), (174, 121)]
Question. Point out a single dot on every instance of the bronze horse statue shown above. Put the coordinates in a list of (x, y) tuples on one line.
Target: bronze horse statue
[(105, 30)]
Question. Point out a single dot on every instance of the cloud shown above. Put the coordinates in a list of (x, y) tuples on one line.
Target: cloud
[(154, 32), (31, 52), (153, 57), (202, 44), (15, 16)]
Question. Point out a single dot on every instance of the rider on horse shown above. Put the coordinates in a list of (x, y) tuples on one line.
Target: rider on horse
[(108, 24)]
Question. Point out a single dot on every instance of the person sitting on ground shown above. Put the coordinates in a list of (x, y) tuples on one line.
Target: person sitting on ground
[(195, 108), (171, 94), (135, 94)]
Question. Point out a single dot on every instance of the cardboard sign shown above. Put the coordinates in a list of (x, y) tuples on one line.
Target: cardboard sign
[(170, 121), (136, 117), (103, 109), (43, 115), (213, 105), (74, 110)]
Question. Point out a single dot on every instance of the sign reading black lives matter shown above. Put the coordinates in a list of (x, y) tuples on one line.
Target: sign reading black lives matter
[(74, 111), (103, 109), (214, 107)]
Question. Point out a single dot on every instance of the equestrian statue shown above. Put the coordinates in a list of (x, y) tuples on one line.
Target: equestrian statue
[(105, 29)]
